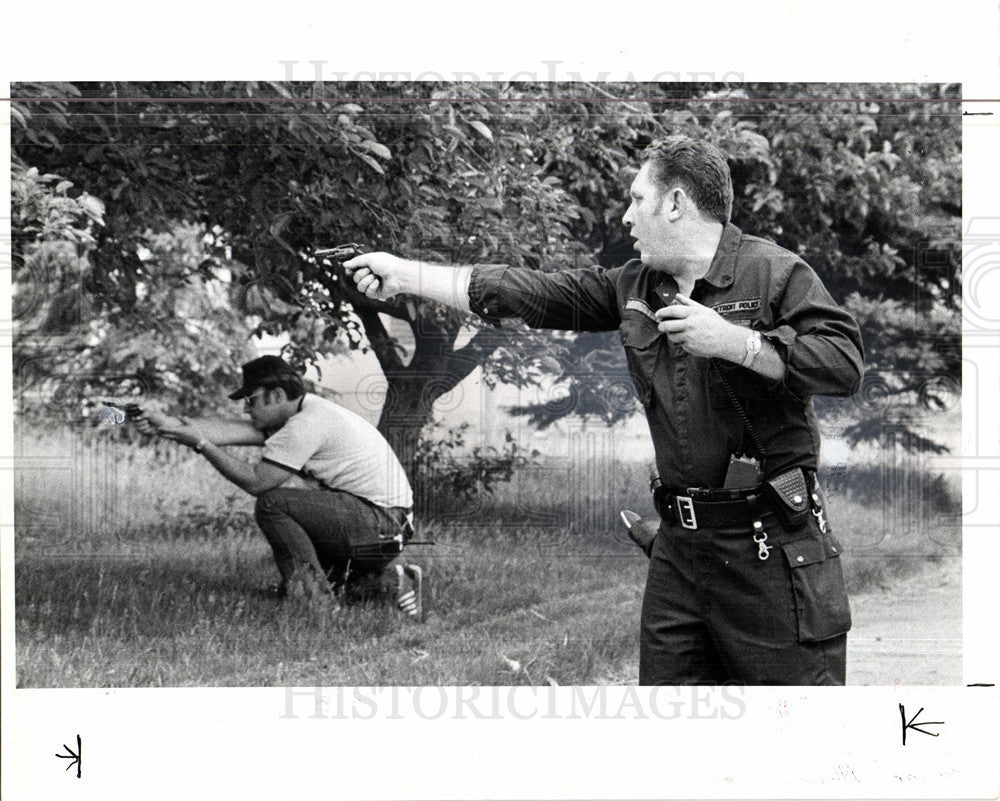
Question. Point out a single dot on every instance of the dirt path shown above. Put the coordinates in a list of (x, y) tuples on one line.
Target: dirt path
[(911, 633)]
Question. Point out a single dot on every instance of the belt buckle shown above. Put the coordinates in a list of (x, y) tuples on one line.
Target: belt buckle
[(685, 512)]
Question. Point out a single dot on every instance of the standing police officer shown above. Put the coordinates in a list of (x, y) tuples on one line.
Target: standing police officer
[(728, 337)]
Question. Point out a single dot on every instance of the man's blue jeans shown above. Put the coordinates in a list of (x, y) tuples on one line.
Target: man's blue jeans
[(321, 532)]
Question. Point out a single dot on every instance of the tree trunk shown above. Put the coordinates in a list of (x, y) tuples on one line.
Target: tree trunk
[(408, 409), (435, 369)]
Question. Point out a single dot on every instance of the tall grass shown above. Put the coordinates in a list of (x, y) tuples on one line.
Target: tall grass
[(151, 572)]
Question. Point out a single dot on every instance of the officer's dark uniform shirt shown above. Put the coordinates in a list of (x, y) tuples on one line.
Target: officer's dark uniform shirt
[(694, 424)]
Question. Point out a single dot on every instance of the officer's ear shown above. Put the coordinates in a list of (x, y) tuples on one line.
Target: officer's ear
[(675, 203)]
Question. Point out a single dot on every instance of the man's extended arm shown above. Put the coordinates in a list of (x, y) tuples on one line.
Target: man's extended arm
[(207, 436), (579, 300), (381, 276), (217, 431), (253, 478), (228, 432)]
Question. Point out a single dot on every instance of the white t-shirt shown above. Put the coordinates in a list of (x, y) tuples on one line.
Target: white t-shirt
[(341, 450)]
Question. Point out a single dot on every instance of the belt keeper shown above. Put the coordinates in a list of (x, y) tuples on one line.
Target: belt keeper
[(757, 507), (664, 510)]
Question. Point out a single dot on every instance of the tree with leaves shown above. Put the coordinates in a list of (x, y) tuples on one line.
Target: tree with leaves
[(862, 181)]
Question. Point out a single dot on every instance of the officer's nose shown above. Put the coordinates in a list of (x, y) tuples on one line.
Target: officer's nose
[(627, 217)]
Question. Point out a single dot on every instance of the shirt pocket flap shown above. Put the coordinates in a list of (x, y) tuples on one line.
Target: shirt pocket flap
[(638, 331)]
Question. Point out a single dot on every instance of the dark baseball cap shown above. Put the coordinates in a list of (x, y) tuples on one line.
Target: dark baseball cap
[(266, 371)]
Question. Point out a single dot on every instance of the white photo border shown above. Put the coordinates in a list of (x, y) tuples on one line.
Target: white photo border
[(784, 743)]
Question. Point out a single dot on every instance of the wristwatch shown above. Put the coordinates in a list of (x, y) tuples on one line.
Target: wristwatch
[(753, 348)]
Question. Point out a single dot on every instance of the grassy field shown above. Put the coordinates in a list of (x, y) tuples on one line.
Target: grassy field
[(140, 570)]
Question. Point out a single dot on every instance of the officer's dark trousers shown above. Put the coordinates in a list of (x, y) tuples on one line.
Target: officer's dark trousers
[(714, 612)]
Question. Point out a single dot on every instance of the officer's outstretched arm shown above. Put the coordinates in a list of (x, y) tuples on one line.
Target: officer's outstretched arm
[(381, 276)]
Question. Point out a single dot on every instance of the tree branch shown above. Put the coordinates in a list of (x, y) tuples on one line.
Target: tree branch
[(382, 344), (474, 353), (435, 341), (483, 343)]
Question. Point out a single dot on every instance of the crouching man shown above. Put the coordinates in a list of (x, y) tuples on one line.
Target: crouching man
[(357, 518)]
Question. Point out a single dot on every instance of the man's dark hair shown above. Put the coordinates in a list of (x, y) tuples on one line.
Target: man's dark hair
[(699, 167), (269, 372)]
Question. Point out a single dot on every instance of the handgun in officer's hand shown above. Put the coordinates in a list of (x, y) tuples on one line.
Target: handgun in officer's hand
[(339, 253)]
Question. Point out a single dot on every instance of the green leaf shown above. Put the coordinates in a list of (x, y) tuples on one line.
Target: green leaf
[(371, 163), (281, 89), (377, 148), (481, 129), (93, 207), (17, 116)]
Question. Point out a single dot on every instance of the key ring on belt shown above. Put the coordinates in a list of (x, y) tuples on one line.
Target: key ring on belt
[(760, 537)]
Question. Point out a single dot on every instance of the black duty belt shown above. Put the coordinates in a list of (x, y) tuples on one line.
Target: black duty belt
[(711, 510)]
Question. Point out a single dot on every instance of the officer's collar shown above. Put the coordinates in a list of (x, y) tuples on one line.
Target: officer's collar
[(723, 268)]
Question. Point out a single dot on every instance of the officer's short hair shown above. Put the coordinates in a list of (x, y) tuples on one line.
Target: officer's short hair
[(699, 167)]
